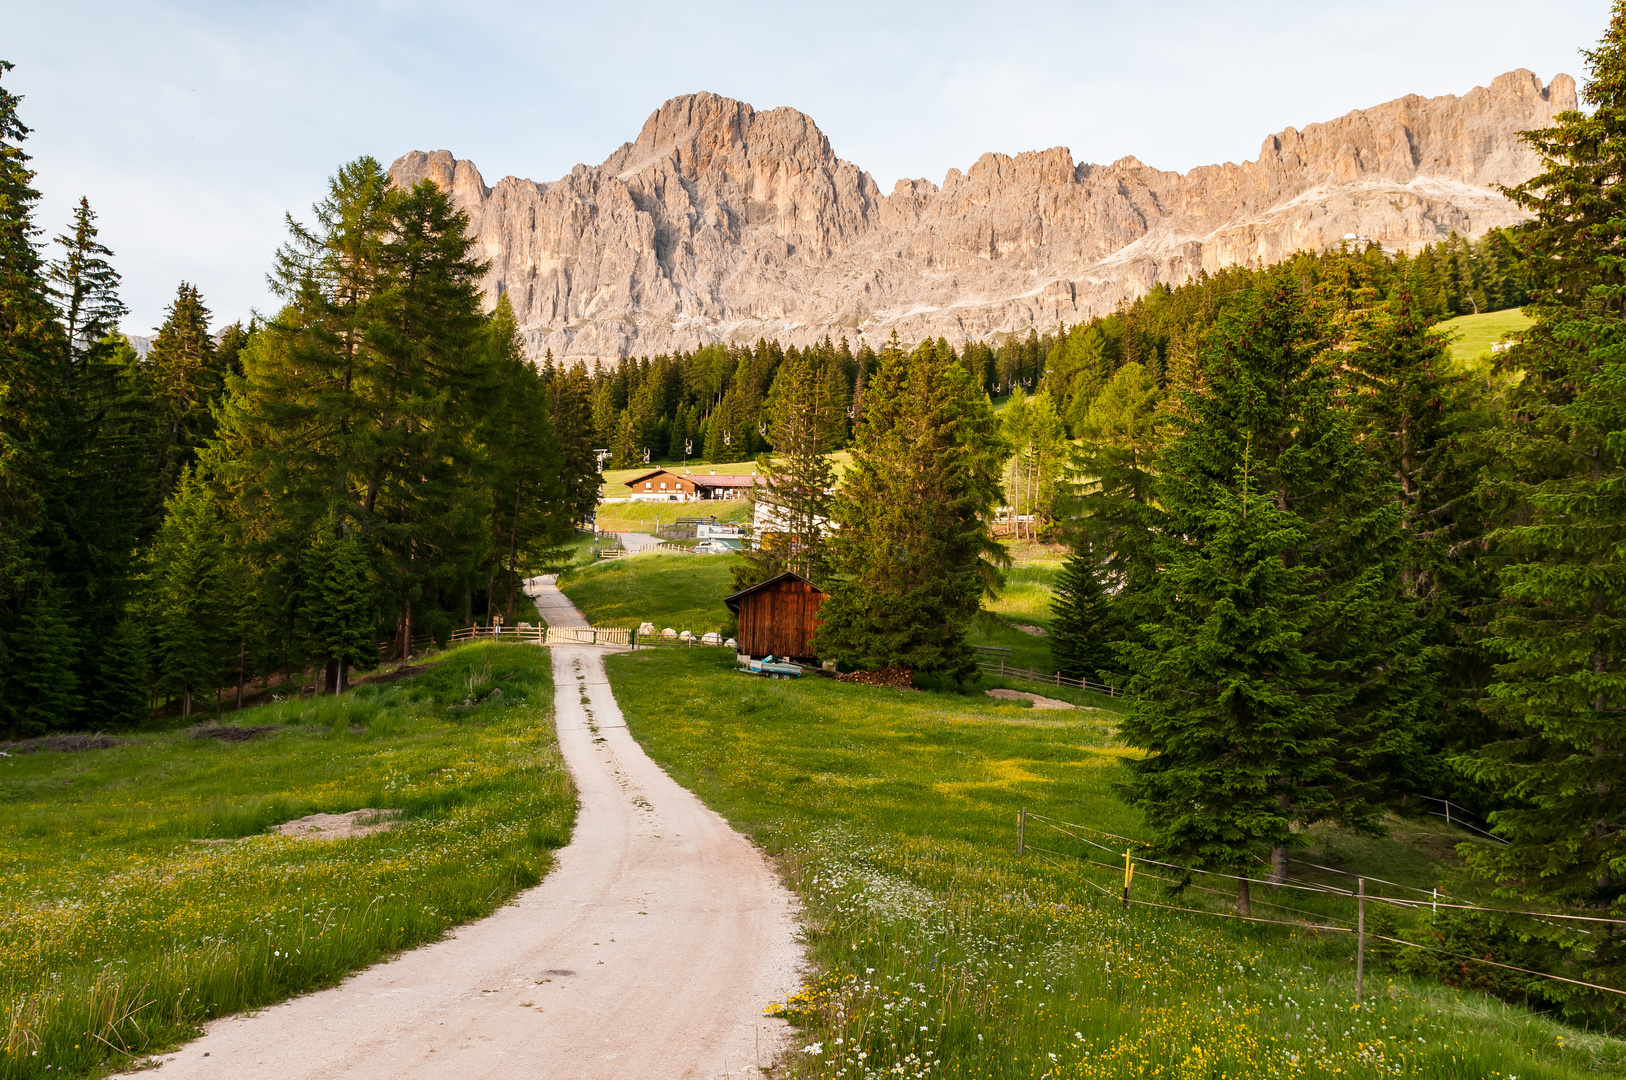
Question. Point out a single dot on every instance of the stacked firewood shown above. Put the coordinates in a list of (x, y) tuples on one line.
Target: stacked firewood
[(895, 677)]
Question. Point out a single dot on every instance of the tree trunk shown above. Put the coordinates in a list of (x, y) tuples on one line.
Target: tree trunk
[(1278, 866), (406, 633), (242, 655), (186, 705), (331, 675), (513, 549), (1242, 904)]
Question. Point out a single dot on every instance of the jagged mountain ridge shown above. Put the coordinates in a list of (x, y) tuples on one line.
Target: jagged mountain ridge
[(722, 223)]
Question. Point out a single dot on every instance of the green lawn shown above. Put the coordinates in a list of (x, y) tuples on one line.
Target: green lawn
[(684, 592), (140, 893), (940, 953), (1479, 332), (643, 516)]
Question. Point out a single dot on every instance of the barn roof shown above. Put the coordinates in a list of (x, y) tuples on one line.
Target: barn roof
[(733, 601)]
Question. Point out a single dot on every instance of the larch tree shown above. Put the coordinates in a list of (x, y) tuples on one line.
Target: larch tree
[(806, 414)]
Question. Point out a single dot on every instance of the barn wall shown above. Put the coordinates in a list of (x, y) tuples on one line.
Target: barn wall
[(779, 620)]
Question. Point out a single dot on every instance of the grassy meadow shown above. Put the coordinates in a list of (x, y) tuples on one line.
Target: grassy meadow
[(684, 592), (940, 953), (644, 516), (1477, 333), (141, 893)]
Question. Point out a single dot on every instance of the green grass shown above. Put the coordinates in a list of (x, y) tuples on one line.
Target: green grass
[(642, 516), (1479, 332), (940, 953), (141, 895), (684, 592)]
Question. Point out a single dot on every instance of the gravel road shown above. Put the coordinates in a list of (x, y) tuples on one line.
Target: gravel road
[(649, 952)]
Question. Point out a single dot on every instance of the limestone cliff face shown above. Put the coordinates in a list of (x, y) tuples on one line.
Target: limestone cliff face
[(721, 223)]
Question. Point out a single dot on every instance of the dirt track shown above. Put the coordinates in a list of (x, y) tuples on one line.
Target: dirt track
[(649, 952)]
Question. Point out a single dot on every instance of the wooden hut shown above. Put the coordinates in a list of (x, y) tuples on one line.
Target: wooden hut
[(777, 617)]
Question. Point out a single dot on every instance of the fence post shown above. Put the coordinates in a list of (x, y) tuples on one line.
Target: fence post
[(1360, 936), (1129, 876), (1021, 831)]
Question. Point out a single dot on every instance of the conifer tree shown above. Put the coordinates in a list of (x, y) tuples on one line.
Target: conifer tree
[(912, 552), (1561, 627), (183, 381), (805, 419), (1083, 625), (38, 644), (188, 593), (1273, 678), (87, 286)]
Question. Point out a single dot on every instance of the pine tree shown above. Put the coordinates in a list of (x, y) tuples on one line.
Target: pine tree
[(339, 614), (912, 550), (38, 645), (1275, 672), (1083, 626), (188, 593), (1561, 625), (184, 380), (87, 285)]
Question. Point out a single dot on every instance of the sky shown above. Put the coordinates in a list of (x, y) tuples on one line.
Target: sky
[(194, 128)]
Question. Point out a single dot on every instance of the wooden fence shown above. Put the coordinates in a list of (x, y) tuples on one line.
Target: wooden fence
[(997, 661), (531, 634)]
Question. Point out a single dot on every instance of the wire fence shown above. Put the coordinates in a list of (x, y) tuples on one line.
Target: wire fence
[(1308, 920)]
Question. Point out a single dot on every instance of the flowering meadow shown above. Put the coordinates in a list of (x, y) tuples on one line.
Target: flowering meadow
[(938, 953), (141, 894)]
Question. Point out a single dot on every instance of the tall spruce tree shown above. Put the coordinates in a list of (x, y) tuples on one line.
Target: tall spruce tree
[(86, 284), (1273, 677), (39, 643), (1561, 626), (911, 553), (183, 380), (1083, 625)]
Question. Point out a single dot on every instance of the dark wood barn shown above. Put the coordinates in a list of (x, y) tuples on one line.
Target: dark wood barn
[(778, 617)]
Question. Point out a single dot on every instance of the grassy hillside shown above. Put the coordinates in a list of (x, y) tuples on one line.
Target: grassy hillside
[(684, 592), (643, 516), (1480, 332), (941, 953), (140, 893)]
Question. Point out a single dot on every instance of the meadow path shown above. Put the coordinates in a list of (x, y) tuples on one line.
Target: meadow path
[(649, 952)]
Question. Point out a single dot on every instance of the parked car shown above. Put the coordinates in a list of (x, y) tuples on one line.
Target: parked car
[(712, 547)]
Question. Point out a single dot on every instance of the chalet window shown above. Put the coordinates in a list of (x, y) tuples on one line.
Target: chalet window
[(663, 485), (646, 487)]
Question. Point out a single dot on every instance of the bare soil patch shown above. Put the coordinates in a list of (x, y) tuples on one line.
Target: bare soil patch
[(1038, 701), (340, 826)]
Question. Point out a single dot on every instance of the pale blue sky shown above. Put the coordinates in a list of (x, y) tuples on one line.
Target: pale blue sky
[(192, 127)]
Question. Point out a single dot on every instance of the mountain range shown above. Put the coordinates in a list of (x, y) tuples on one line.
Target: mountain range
[(719, 223)]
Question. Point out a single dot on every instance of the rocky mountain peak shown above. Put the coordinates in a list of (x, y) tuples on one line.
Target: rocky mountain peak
[(723, 223)]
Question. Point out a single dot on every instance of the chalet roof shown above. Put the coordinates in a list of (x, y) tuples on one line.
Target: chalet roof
[(641, 477), (733, 601)]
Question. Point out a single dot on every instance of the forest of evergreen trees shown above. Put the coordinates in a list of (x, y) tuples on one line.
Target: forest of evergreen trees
[(375, 462)]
